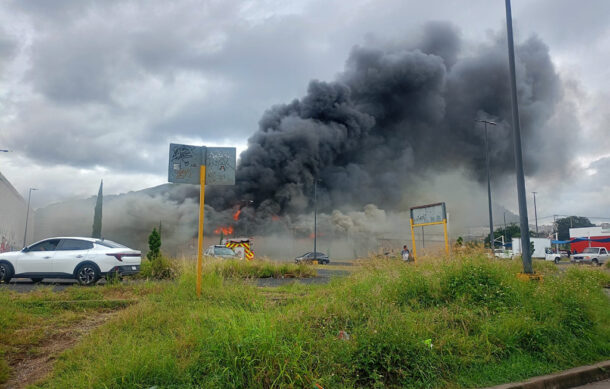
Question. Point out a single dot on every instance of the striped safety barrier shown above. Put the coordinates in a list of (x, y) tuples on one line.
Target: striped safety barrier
[(249, 253)]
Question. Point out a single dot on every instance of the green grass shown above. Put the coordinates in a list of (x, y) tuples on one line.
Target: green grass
[(260, 269), (29, 321), (466, 322)]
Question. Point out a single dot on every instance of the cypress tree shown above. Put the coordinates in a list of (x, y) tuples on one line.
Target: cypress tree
[(97, 215), (154, 245)]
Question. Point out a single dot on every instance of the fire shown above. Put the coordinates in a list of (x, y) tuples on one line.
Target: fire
[(224, 230), (275, 218), (236, 215)]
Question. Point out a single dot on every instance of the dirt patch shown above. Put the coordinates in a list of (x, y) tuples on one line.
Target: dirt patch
[(28, 369)]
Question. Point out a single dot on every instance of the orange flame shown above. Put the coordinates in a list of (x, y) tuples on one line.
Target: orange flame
[(275, 218), (224, 230), (236, 215)]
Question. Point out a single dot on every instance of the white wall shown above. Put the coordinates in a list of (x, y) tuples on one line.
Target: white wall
[(539, 245), (12, 217)]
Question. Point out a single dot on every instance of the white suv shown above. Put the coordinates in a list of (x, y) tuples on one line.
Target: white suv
[(84, 259)]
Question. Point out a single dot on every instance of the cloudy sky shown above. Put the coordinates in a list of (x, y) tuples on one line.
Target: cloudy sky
[(98, 89)]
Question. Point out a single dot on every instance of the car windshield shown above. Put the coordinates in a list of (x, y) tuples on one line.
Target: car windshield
[(110, 244), (591, 250), (223, 251)]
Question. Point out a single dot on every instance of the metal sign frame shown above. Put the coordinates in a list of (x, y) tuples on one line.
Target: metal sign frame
[(187, 165), (443, 221)]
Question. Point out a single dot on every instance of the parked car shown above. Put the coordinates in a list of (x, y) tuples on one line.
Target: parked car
[(85, 259), (552, 255), (500, 253), (594, 255), (220, 251), (310, 257)]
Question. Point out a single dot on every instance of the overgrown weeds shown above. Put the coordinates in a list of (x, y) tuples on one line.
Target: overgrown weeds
[(461, 322), (260, 268), (159, 268)]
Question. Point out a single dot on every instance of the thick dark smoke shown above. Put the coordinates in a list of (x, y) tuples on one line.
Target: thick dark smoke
[(395, 115)]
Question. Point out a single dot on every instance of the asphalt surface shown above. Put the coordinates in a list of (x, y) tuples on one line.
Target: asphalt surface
[(24, 285), (605, 384)]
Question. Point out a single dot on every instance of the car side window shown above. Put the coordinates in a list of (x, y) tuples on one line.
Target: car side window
[(603, 251), (74, 244), (47, 245)]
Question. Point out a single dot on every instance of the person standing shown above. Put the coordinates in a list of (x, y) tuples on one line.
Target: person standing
[(405, 253)]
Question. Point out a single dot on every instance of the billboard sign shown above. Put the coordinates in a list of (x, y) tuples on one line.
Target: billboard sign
[(220, 166), (429, 214), (184, 163)]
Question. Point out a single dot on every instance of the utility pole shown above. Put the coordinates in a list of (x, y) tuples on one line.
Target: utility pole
[(491, 223), (505, 236), (535, 213), (525, 230), (27, 216), (315, 219)]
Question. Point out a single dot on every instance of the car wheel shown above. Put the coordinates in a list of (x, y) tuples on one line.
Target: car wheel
[(6, 272), (556, 260), (595, 262), (36, 280), (87, 274)]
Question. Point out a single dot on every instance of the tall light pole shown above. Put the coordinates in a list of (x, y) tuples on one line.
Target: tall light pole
[(535, 212), (505, 236), (491, 223), (315, 219), (27, 216), (525, 230)]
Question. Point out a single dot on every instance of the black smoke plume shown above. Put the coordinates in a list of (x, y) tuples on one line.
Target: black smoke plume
[(394, 116)]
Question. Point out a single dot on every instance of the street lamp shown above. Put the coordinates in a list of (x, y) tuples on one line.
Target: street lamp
[(491, 223), (27, 216), (315, 219), (525, 230), (535, 212), (505, 236)]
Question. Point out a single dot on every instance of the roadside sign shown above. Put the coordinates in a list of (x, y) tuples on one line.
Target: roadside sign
[(220, 166), (184, 163), (201, 165), (427, 215)]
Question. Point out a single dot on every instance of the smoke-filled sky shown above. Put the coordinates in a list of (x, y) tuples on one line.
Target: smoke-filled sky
[(97, 89)]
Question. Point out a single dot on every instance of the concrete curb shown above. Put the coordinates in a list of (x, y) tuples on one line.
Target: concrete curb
[(566, 379)]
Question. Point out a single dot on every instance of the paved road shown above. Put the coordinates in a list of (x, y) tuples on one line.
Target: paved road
[(596, 385), (23, 285)]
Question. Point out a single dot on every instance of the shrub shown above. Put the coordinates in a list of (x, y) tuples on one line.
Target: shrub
[(154, 245), (161, 268), (478, 282)]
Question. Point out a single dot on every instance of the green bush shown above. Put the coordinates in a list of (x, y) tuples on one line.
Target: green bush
[(160, 268)]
